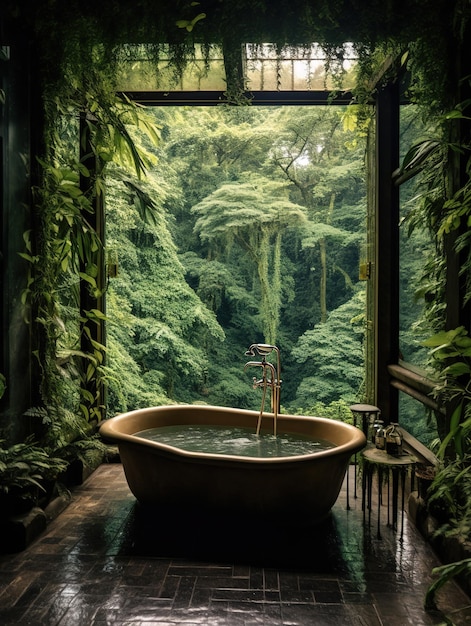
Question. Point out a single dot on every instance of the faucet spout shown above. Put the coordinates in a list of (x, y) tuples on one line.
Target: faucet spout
[(252, 364)]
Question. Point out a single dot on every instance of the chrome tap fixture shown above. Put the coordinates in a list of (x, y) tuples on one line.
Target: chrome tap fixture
[(272, 380)]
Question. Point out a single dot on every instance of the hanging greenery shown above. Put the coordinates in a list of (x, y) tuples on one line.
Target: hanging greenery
[(79, 37), (64, 255)]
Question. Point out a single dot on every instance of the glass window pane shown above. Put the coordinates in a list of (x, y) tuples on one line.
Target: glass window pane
[(414, 249), (417, 419), (141, 71), (296, 68), (266, 69)]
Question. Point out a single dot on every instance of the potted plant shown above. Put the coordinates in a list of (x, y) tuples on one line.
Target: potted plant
[(424, 473)]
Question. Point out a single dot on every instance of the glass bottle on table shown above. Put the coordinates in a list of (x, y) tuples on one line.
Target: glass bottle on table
[(380, 441), (372, 426), (393, 438), (375, 424)]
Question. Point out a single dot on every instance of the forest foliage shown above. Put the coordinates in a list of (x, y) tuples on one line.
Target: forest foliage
[(247, 228)]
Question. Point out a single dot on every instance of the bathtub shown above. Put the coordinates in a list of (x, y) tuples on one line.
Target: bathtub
[(286, 490)]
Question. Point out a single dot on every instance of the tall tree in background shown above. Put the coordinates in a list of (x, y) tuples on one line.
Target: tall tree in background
[(253, 214), (310, 152)]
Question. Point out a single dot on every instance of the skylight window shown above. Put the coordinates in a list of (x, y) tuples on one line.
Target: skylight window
[(266, 68), (300, 68)]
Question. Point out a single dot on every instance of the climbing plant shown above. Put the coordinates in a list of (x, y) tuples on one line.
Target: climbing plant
[(78, 33), (90, 131)]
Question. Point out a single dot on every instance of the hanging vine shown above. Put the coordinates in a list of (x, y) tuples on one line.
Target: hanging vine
[(68, 249)]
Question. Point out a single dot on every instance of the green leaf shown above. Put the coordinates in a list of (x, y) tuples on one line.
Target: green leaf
[(456, 417), (457, 369), (91, 370), (456, 114), (83, 170), (88, 279), (87, 395), (444, 338), (190, 24), (444, 445), (445, 573), (28, 257), (97, 314)]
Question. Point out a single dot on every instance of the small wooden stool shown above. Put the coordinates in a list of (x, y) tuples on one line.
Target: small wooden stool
[(365, 410)]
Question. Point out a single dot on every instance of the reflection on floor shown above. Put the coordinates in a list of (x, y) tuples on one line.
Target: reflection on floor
[(106, 561)]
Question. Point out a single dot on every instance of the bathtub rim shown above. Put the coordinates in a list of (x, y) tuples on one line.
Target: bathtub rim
[(110, 431)]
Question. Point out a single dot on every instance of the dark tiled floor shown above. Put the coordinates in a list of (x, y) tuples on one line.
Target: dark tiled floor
[(105, 561)]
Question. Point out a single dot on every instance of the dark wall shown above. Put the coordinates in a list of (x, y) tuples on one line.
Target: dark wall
[(15, 202)]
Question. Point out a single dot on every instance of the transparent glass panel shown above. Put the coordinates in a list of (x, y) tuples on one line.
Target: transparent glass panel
[(414, 249), (417, 419), (266, 69), (140, 70), (301, 68), (223, 186)]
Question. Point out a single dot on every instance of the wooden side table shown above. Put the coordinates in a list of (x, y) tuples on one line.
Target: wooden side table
[(365, 410), (382, 463)]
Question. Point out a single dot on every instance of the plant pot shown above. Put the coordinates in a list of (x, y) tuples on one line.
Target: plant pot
[(16, 502), (424, 475)]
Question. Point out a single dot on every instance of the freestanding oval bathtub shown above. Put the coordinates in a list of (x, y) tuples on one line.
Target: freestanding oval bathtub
[(293, 489)]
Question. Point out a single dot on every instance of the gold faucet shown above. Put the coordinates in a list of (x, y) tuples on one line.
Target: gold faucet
[(274, 382)]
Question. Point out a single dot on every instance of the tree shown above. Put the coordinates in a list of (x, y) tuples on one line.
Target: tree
[(252, 214), (328, 179), (246, 244)]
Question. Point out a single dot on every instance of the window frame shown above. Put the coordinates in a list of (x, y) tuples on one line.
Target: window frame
[(387, 376)]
